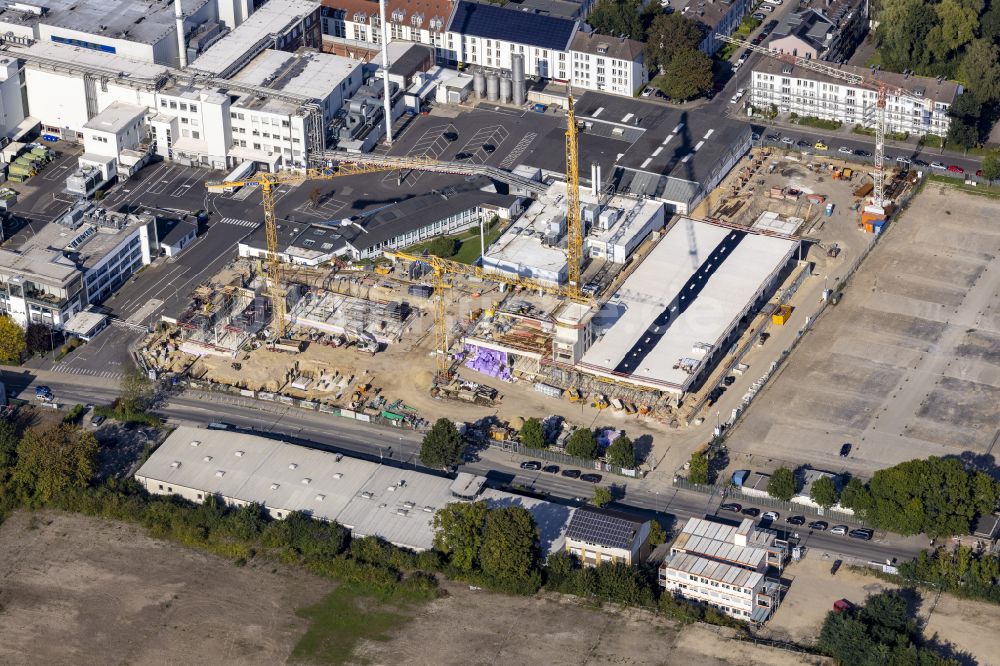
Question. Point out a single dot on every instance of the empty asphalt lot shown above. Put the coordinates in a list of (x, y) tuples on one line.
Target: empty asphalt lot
[(908, 364)]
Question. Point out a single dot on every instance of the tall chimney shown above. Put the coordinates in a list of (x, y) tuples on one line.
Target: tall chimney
[(385, 75), (593, 178), (181, 44)]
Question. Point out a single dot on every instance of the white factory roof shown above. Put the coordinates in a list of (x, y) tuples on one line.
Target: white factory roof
[(270, 19), (116, 117), (634, 216), (118, 67), (708, 538), (725, 573), (308, 74), (706, 276), (396, 504)]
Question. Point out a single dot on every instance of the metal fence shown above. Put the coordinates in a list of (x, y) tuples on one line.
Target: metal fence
[(564, 458)]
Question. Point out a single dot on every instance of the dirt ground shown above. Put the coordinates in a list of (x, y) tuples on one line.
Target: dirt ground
[(476, 628), (969, 626), (78, 590)]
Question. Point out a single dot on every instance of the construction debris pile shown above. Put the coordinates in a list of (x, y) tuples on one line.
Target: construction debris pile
[(490, 362)]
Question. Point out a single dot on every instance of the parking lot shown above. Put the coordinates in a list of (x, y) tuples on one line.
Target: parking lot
[(907, 365)]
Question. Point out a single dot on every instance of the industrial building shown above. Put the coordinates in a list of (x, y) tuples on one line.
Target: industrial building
[(790, 89), (371, 499), (599, 535), (116, 143), (682, 308), (726, 567)]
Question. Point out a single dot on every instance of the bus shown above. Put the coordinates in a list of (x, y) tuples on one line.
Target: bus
[(242, 172)]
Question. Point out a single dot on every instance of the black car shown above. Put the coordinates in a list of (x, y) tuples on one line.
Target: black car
[(551, 469), (731, 506), (818, 525), (462, 156), (489, 147), (845, 450), (796, 520), (864, 534), (773, 137), (803, 144), (835, 567), (730, 380), (591, 478), (770, 25), (531, 464), (757, 40), (862, 153), (450, 136), (921, 163), (571, 473), (750, 511)]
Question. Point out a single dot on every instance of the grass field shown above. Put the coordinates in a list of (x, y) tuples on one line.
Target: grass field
[(468, 243), (991, 191)]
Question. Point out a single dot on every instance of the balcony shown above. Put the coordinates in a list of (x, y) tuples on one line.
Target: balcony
[(44, 298)]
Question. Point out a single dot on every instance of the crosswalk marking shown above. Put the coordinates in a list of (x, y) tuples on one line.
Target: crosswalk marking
[(239, 223), (71, 370)]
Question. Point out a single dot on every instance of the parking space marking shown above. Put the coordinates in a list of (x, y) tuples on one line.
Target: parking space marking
[(324, 211), (492, 134), (431, 144), (518, 150)]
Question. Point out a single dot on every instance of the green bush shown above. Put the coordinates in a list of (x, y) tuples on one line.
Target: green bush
[(819, 123)]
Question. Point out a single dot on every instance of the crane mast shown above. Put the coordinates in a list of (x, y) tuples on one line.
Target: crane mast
[(574, 225)]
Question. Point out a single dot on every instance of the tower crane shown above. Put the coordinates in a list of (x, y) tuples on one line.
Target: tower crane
[(574, 225), (882, 91)]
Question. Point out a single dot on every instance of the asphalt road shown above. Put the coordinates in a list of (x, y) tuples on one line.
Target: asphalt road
[(401, 448)]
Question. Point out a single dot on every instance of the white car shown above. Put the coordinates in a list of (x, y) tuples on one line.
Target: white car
[(766, 8), (648, 92), (845, 150), (903, 160), (939, 166), (774, 2), (770, 515), (839, 529)]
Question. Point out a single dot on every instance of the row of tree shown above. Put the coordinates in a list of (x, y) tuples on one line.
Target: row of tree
[(966, 572), (15, 341), (582, 443)]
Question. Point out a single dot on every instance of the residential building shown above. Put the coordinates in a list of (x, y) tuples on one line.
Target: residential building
[(353, 27), (797, 90), (610, 64), (716, 16), (598, 535), (823, 29), (726, 567), (370, 499)]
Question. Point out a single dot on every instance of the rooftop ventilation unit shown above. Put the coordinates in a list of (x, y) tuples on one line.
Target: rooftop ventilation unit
[(196, 443), (175, 464), (338, 475), (320, 498), (207, 458), (220, 473), (306, 481), (239, 454), (367, 495), (293, 466), (275, 486)]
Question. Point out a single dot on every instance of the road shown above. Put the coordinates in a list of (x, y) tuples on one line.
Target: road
[(401, 448)]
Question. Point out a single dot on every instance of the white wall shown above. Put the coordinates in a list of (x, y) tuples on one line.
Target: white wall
[(11, 104), (234, 12), (58, 100)]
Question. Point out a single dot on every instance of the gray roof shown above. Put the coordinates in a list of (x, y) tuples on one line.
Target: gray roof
[(604, 528), (172, 229), (810, 26), (610, 47)]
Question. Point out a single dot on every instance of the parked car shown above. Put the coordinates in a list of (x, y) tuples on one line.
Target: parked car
[(819, 145), (571, 473), (836, 567), (462, 156), (648, 92), (796, 520), (818, 525), (770, 515), (979, 173), (450, 136), (861, 533), (803, 144), (842, 605), (591, 478), (729, 380), (760, 17), (770, 25), (731, 506), (845, 450), (839, 530), (43, 393), (862, 153), (773, 137), (750, 511), (96, 420), (938, 166), (738, 96), (766, 8), (845, 150), (551, 469), (531, 464), (787, 140), (956, 169), (921, 163), (489, 147), (903, 160)]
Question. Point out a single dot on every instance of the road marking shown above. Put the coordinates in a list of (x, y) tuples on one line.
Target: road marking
[(239, 223), (517, 150)]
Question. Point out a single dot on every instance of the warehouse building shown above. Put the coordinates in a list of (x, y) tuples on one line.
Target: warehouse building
[(726, 567), (369, 498)]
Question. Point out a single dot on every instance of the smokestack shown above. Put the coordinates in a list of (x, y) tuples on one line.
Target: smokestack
[(385, 75), (181, 44), (597, 181), (593, 178)]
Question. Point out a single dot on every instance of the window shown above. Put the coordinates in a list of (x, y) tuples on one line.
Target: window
[(195, 134), (184, 106), (194, 108), (161, 486), (173, 105), (199, 496), (163, 103)]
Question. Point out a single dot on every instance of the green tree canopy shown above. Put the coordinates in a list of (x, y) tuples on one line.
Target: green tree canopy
[(532, 435), (980, 70), (669, 35), (782, 484), (582, 444), (38, 338), (621, 452), (698, 469), (688, 74), (442, 445), (823, 492), (53, 458), (12, 344), (136, 392), (458, 533), (620, 17), (602, 496), (443, 247), (991, 167), (856, 497), (509, 552)]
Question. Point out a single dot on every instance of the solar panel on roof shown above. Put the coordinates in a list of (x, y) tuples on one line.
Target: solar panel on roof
[(600, 528), (481, 20)]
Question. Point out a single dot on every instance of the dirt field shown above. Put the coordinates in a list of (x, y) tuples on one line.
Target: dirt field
[(481, 629), (77, 590), (906, 366), (970, 627)]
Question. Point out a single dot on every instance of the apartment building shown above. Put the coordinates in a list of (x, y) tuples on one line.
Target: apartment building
[(726, 567), (797, 90), (611, 64), (822, 30), (353, 27)]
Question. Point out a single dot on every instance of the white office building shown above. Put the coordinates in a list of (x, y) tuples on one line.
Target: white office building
[(116, 141), (791, 89)]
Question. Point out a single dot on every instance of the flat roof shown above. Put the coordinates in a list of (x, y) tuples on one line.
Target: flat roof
[(307, 73), (396, 504), (38, 263), (675, 308), (718, 571), (707, 538), (274, 17), (144, 22), (777, 223), (83, 323), (120, 69), (116, 117)]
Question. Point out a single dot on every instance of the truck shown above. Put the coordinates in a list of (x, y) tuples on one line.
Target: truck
[(19, 173)]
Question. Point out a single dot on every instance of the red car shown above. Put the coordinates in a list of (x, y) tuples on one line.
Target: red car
[(979, 173), (956, 169)]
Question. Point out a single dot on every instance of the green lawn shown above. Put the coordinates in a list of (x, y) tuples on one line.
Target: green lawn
[(343, 619), (991, 191), (468, 250)]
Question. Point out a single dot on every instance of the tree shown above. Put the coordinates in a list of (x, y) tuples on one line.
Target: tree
[(966, 113), (10, 436), (621, 452), (991, 167), (980, 70), (532, 435), (782, 484), (442, 445), (443, 247), (618, 17), (657, 535), (904, 29), (602, 497), (824, 492), (509, 552), (53, 458), (135, 392), (698, 469), (668, 35), (38, 338), (856, 497), (11, 340), (582, 444), (458, 533), (688, 74)]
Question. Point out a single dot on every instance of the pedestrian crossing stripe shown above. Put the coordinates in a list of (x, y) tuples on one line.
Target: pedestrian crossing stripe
[(238, 223), (70, 370)]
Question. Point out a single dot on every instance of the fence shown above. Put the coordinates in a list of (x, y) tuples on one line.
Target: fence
[(733, 493), (564, 458)]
